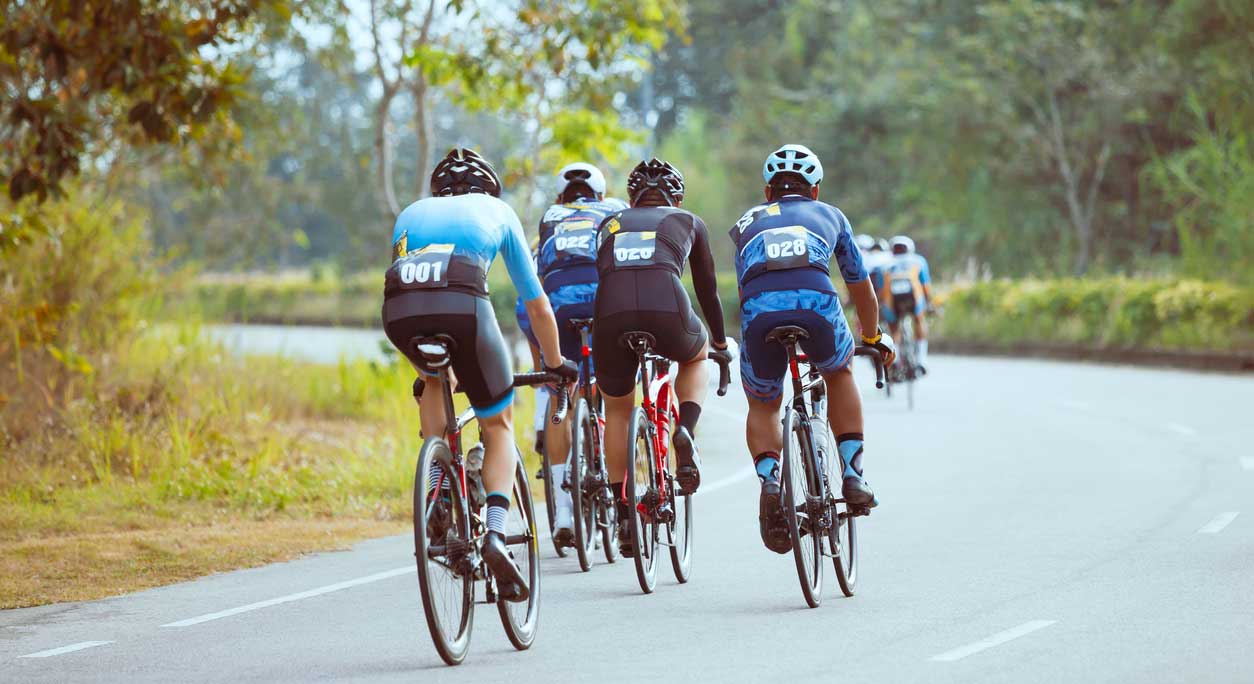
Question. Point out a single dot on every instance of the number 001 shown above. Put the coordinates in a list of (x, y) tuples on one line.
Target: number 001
[(419, 273)]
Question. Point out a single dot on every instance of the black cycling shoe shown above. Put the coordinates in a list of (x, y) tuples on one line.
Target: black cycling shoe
[(510, 584), (564, 537), (857, 492), (688, 474), (773, 527), (626, 542)]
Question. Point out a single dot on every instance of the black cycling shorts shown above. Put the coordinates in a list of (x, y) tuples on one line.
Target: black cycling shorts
[(904, 305), (481, 359), (645, 300)]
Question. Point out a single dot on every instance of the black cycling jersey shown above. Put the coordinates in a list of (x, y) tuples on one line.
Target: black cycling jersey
[(662, 239)]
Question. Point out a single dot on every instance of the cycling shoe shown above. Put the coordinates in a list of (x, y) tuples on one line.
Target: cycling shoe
[(857, 492), (773, 527), (510, 584), (688, 474)]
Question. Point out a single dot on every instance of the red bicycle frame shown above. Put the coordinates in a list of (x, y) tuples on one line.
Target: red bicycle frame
[(661, 410)]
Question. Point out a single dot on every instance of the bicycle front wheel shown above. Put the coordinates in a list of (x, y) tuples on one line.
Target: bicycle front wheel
[(583, 505), (442, 547), (641, 500), (799, 496), (679, 530), (550, 501), (521, 619)]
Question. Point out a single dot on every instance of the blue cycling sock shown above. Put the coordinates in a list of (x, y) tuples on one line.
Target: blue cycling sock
[(767, 465), (849, 445)]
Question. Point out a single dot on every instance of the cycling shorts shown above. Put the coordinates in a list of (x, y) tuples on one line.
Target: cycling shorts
[(481, 360), (901, 305), (568, 302), (763, 364), (644, 300)]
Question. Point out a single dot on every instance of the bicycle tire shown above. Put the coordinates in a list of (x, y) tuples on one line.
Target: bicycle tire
[(798, 481), (607, 514), (583, 509), (452, 642), (679, 531), (842, 537), (641, 466), (521, 620)]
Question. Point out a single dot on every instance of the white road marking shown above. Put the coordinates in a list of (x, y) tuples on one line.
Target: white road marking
[(66, 649), (1184, 430), (1218, 523), (338, 586), (1247, 462), (995, 640)]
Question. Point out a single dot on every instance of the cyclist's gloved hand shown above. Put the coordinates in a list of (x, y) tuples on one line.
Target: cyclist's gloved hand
[(567, 370), (884, 343), (723, 355)]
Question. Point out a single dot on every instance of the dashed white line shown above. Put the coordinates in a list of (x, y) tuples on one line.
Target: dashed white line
[(1218, 523), (1184, 430), (65, 649), (338, 586), (1247, 462), (995, 640)]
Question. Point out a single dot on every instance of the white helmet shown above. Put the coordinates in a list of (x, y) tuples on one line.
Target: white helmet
[(904, 242), (585, 173), (865, 242), (796, 159)]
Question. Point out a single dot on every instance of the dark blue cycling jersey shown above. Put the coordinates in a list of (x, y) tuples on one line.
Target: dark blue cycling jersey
[(568, 249), (788, 244)]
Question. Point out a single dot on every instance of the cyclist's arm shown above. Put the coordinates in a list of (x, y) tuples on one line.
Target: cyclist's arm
[(864, 300), (856, 278), (705, 283), (522, 271)]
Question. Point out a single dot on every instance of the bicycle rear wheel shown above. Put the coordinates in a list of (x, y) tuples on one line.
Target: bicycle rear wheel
[(521, 619), (550, 501), (679, 530), (843, 540), (640, 493), (798, 491), (441, 548), (583, 507)]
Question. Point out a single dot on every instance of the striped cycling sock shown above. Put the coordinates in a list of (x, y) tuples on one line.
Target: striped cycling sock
[(435, 476), (498, 512)]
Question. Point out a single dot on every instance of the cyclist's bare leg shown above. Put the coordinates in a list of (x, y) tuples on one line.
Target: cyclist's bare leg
[(920, 338), (498, 448), (617, 417), (692, 380), (762, 429), (557, 437), (844, 415), (691, 385), (431, 408)]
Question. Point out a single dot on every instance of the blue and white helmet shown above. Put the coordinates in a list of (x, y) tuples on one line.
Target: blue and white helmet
[(796, 159)]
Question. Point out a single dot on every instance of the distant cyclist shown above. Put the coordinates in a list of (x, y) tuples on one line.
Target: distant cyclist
[(906, 291), (442, 247), (567, 264), (784, 248), (641, 254)]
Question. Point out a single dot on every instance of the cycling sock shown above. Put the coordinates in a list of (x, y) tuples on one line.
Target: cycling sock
[(498, 512), (435, 475), (922, 345), (767, 465), (849, 445), (689, 413), (558, 472)]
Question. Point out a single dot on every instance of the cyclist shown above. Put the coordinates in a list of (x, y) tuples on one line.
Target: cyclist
[(906, 290), (567, 265), (783, 251), (641, 253), (533, 346), (437, 284)]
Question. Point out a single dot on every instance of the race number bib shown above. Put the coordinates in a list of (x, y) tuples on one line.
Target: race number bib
[(576, 240), (424, 268), (634, 249), (785, 248), (900, 286)]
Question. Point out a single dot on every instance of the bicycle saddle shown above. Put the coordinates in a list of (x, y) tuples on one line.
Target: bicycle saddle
[(578, 323), (787, 334), (638, 341), (434, 352)]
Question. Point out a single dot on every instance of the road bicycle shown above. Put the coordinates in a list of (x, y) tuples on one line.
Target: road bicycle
[(587, 479), (820, 522), (906, 369), (450, 526), (657, 510)]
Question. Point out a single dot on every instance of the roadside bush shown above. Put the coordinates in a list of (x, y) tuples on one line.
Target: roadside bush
[(1104, 313)]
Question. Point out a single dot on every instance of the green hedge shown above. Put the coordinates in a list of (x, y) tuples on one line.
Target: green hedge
[(1101, 313)]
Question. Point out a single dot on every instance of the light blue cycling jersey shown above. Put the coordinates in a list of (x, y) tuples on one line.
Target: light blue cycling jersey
[(477, 226)]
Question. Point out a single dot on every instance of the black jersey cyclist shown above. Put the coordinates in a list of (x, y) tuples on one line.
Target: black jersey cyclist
[(641, 253), (566, 261), (783, 249), (442, 247)]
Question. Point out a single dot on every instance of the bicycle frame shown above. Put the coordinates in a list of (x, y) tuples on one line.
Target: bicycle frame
[(658, 403)]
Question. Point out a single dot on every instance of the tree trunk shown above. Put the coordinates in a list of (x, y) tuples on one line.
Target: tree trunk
[(388, 205), (422, 129)]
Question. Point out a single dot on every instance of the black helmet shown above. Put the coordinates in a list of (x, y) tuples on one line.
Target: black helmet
[(657, 174), (463, 171)]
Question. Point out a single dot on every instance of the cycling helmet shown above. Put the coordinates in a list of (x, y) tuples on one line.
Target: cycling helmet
[(902, 245), (881, 245), (865, 242), (463, 171), (796, 159), (582, 172), (659, 175)]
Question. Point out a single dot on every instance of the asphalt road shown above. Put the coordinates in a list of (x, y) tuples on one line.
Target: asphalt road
[(1040, 522)]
